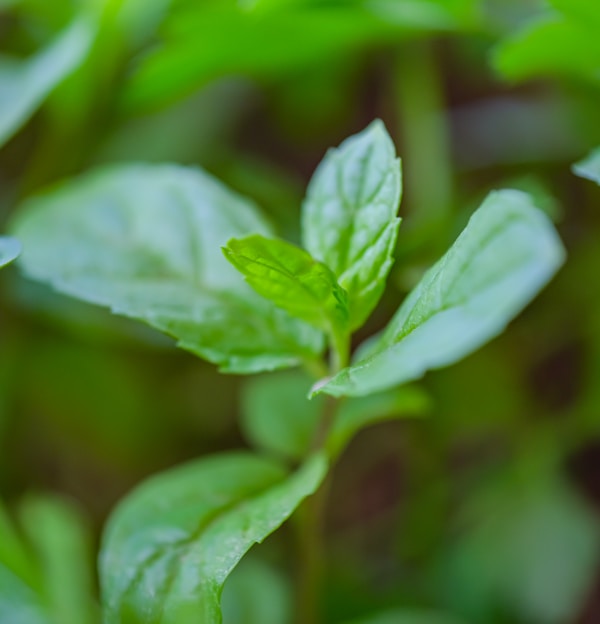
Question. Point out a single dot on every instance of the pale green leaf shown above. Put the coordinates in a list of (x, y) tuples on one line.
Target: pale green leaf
[(589, 167), (62, 543), (9, 250), (506, 254), (25, 84), (145, 241), (349, 217), (19, 603), (290, 278), (171, 544)]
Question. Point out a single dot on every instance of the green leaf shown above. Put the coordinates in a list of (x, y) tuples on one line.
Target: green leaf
[(589, 167), (145, 241), (256, 592), (277, 415), (349, 216), (357, 413), (19, 603), (506, 254), (171, 544), (550, 45), (531, 549), (62, 543), (10, 249), (25, 84), (290, 278)]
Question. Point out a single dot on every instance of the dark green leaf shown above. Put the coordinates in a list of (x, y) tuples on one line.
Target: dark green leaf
[(9, 250), (290, 278), (349, 217), (589, 167), (145, 241), (171, 544), (25, 84), (506, 254)]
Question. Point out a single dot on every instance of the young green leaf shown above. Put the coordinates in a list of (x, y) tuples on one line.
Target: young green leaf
[(25, 84), (290, 278), (171, 544), (144, 240), (10, 249), (589, 167), (506, 254), (349, 217)]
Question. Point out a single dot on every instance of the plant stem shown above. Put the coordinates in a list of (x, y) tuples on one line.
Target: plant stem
[(311, 515), (420, 107)]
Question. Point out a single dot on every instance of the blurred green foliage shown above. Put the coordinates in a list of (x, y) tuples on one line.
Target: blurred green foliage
[(485, 510)]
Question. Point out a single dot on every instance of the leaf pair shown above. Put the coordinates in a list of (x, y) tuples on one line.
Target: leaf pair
[(349, 226)]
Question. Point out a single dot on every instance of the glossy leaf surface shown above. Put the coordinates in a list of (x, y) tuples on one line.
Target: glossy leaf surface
[(349, 217), (589, 167), (506, 254), (145, 241), (171, 544), (25, 84), (10, 249), (290, 278)]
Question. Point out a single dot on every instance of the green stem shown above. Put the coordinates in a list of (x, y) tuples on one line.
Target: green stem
[(311, 515), (426, 143)]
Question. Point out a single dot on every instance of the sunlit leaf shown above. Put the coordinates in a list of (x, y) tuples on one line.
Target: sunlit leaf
[(25, 84), (506, 254), (10, 249), (349, 217), (290, 278), (171, 544), (145, 241), (589, 167)]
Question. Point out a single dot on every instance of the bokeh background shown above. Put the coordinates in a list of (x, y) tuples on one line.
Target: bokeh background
[(486, 504)]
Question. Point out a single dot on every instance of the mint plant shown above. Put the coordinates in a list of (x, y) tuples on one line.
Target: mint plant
[(172, 247)]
